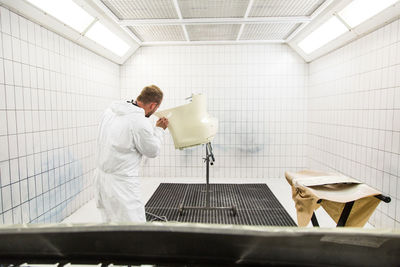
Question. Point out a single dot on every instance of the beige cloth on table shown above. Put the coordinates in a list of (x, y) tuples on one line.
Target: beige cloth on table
[(335, 190)]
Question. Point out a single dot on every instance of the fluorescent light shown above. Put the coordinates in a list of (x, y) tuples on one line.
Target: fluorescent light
[(104, 37), (66, 11), (359, 11), (325, 33)]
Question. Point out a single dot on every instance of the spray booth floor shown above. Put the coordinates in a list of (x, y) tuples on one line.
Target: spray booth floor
[(279, 187)]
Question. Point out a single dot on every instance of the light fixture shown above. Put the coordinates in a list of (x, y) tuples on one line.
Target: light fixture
[(66, 11), (359, 11), (104, 37), (325, 33)]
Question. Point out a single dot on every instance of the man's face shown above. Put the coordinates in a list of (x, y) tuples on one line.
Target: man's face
[(151, 108)]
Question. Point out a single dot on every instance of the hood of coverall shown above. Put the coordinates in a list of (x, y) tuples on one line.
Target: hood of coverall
[(121, 108)]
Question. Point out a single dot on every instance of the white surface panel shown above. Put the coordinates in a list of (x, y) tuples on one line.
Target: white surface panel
[(275, 8), (150, 33), (142, 9), (212, 32), (269, 31), (213, 8)]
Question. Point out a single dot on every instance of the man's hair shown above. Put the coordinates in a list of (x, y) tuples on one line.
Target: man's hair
[(150, 94)]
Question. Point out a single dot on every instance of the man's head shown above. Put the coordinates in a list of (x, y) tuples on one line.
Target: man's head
[(150, 99)]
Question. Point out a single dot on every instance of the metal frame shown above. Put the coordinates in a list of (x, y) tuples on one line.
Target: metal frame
[(178, 11), (246, 15), (345, 212), (209, 159), (252, 20), (213, 42)]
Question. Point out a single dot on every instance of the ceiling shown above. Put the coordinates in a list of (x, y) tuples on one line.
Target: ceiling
[(185, 22), (152, 22)]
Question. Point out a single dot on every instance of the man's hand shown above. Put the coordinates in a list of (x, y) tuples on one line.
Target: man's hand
[(162, 123)]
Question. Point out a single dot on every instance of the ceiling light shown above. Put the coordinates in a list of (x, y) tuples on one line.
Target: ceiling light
[(66, 11), (104, 37), (359, 11), (325, 33)]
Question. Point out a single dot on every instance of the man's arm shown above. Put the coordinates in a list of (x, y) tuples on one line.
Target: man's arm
[(148, 140)]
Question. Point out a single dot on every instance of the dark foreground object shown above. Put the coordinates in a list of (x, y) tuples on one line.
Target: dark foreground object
[(255, 204), (197, 245)]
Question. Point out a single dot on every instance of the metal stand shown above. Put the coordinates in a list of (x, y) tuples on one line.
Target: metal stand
[(346, 211), (209, 159)]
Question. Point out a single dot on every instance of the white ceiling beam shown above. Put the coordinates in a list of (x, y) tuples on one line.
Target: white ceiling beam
[(233, 42), (318, 11), (178, 10), (111, 15), (250, 5), (252, 20)]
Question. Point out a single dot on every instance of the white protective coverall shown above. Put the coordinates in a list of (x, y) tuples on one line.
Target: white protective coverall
[(125, 135)]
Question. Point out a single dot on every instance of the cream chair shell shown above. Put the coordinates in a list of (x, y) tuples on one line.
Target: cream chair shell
[(190, 124)]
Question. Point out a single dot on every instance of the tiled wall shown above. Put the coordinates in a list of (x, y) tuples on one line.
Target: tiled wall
[(354, 115), (257, 92), (51, 92)]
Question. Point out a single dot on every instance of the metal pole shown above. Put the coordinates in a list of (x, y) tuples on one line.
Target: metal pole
[(207, 178)]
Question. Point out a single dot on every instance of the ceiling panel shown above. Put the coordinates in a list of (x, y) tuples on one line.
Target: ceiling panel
[(279, 8), (213, 8), (158, 33), (270, 31), (214, 32), (142, 9)]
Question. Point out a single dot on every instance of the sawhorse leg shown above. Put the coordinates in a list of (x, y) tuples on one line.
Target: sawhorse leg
[(345, 214), (343, 217)]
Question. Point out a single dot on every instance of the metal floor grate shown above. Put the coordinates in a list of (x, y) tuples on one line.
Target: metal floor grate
[(255, 203)]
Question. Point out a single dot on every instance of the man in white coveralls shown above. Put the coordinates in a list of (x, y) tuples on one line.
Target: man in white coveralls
[(125, 135)]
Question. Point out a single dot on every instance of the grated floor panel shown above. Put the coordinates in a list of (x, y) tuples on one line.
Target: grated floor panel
[(255, 203)]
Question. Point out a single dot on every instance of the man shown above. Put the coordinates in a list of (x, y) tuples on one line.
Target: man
[(125, 135)]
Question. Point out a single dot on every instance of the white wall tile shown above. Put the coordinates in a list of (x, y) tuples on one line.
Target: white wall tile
[(7, 46), (32, 54), (14, 24), (14, 170), (20, 121), (4, 173), (38, 35), (33, 77), (11, 122), (19, 98), (3, 122), (2, 97), (31, 31), (13, 146), (8, 72), (23, 28), (10, 97), (4, 148), (16, 49), (24, 52), (6, 195), (5, 20), (22, 168), (2, 73)]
